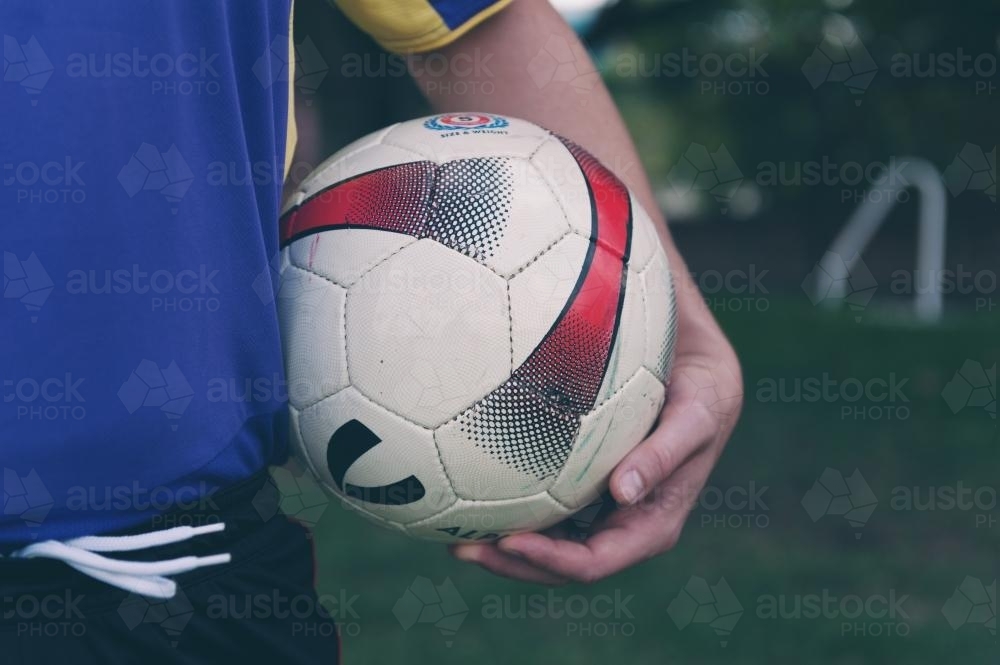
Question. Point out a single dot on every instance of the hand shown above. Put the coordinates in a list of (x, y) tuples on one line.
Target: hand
[(655, 486)]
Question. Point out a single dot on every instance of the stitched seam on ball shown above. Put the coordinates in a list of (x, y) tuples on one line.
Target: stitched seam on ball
[(358, 388), (382, 260), (548, 185), (429, 158), (564, 505), (310, 405), (510, 326), (325, 168), (326, 279), (658, 246), (343, 336), (392, 411), (444, 470), (373, 402), (347, 298), (313, 272), (364, 272), (534, 259), (671, 325), (647, 322), (497, 502), (645, 319), (347, 292), (527, 387), (549, 137), (632, 377)]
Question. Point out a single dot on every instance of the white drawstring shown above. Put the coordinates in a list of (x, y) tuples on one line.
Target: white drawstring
[(144, 578)]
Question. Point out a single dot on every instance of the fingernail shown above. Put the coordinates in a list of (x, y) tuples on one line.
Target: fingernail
[(465, 553), (630, 486)]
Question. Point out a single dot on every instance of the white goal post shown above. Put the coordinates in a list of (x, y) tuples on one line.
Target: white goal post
[(868, 218)]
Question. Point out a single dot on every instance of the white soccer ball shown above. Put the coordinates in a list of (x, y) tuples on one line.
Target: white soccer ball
[(478, 324)]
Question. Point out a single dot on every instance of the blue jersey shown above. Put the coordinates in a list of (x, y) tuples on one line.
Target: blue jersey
[(143, 147)]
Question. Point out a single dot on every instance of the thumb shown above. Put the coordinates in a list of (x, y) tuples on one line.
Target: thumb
[(700, 403)]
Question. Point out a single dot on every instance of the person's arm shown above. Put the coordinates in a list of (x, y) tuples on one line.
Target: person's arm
[(705, 392)]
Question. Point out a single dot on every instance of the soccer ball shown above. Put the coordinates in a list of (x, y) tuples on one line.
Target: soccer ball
[(478, 323)]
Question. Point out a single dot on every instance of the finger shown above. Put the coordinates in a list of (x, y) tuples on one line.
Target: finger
[(629, 536), (608, 552), (582, 562), (505, 564)]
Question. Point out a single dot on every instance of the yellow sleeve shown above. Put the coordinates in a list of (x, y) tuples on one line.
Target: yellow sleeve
[(414, 26)]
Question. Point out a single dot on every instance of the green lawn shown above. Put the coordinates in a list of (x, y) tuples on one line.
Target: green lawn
[(774, 550)]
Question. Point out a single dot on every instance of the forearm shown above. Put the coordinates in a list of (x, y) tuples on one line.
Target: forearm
[(505, 45)]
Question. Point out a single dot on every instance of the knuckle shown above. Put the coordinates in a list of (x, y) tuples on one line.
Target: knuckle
[(661, 460), (706, 419)]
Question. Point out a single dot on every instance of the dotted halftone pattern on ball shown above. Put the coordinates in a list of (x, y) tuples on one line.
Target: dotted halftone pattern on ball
[(471, 206), (522, 429), (395, 200), (566, 370), (464, 205), (531, 421), (661, 314), (665, 359)]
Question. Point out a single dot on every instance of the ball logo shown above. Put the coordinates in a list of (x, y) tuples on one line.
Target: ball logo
[(352, 440), (459, 121)]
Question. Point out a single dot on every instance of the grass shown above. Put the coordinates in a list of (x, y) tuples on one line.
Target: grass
[(771, 552)]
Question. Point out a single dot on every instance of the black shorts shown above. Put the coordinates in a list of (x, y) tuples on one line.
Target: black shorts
[(261, 607)]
